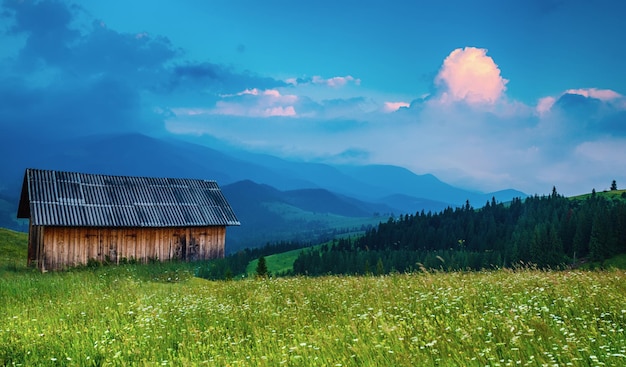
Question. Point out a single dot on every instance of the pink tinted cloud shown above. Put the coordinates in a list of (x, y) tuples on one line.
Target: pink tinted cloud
[(253, 91), (289, 111), (601, 94), (545, 104), (257, 103), (394, 106), (470, 75)]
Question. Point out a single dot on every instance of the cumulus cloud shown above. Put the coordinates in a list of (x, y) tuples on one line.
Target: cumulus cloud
[(579, 99), (470, 75), (581, 114)]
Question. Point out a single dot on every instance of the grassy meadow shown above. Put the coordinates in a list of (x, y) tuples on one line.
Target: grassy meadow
[(161, 315), (608, 194)]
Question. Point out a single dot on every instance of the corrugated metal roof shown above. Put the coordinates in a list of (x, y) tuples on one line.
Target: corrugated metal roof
[(55, 198)]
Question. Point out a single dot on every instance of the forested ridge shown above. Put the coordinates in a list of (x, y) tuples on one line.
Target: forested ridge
[(547, 231)]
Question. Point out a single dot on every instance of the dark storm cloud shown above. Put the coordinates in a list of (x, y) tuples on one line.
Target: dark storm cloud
[(74, 75), (51, 41), (197, 71), (217, 78), (130, 55), (47, 25), (105, 105)]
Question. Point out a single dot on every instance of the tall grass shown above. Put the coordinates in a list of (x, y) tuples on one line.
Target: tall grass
[(135, 315)]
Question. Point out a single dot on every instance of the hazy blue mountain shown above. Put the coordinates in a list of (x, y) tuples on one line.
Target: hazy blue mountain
[(422, 189), (318, 175), (136, 154), (257, 179), (377, 182)]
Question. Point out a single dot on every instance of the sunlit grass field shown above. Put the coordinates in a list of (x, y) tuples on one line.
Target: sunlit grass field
[(160, 314), (134, 316)]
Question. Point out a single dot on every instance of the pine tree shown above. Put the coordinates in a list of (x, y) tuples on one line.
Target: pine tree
[(380, 268), (261, 268), (599, 239), (613, 185), (228, 274), (366, 269)]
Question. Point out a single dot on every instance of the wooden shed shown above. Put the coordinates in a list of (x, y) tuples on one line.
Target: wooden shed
[(78, 217)]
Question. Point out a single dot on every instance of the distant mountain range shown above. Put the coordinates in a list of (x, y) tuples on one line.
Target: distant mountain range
[(254, 183)]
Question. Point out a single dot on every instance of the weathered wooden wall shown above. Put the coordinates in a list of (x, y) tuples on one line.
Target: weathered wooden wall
[(53, 248)]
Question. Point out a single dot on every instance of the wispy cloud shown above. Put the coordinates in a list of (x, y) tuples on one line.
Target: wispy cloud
[(394, 106), (601, 94), (333, 82), (248, 103), (545, 104)]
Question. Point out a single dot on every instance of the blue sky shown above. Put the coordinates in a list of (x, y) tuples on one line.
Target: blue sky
[(486, 95)]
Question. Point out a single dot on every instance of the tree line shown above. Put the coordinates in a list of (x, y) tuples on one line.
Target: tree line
[(548, 231)]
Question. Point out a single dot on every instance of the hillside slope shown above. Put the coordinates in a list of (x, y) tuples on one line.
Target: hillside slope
[(270, 215), (13, 248)]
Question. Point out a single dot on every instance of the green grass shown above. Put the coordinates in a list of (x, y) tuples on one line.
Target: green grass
[(116, 316), (160, 314), (610, 194), (616, 262)]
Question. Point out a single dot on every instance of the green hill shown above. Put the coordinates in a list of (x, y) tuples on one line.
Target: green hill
[(276, 264), (282, 262), (279, 263), (13, 248), (611, 194)]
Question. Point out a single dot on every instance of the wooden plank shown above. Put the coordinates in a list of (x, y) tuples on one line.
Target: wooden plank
[(55, 248)]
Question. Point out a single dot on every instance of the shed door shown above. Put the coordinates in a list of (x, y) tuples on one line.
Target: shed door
[(180, 246)]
